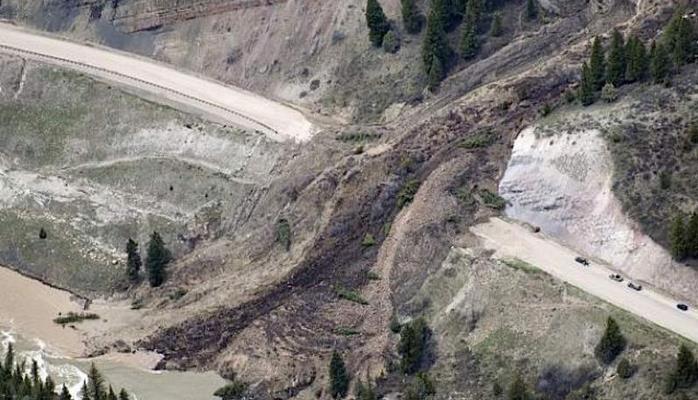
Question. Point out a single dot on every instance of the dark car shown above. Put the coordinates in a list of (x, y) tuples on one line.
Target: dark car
[(582, 260), (682, 307), (634, 286), (616, 277)]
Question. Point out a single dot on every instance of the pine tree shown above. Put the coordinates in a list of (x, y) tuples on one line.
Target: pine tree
[(612, 343), (133, 262), (85, 392), (531, 10), (473, 13), (686, 373), (518, 390), (123, 395), (365, 392), (111, 395), (65, 394), (677, 238), (377, 23), (412, 345), (339, 379), (637, 63), (435, 43), (616, 60), (436, 74), (9, 359), (597, 64), (586, 87), (660, 63), (95, 384), (469, 45), (158, 257), (496, 27), (692, 235), (680, 38), (411, 16), (451, 16)]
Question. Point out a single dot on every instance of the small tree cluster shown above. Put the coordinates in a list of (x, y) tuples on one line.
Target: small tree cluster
[(685, 373), (612, 343), (377, 22), (339, 377), (414, 337), (157, 260), (683, 237)]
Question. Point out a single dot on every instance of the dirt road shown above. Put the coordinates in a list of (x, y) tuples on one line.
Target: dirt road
[(158, 81), (511, 240)]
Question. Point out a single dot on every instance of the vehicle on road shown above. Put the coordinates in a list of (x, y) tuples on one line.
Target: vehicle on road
[(582, 260), (682, 307), (616, 277), (634, 286)]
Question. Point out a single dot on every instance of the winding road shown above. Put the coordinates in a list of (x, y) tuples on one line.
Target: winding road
[(159, 81), (512, 240)]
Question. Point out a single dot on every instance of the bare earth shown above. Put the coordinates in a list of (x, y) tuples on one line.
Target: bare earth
[(226, 103), (511, 240)]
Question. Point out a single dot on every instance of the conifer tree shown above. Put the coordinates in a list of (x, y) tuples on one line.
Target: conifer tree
[(685, 373), (435, 44), (85, 392), (597, 64), (637, 63), (156, 261), (616, 60), (65, 394), (436, 74), (411, 16), (123, 395), (111, 395), (9, 359), (469, 45), (660, 63), (531, 9), (680, 38), (473, 13), (412, 345), (377, 23), (586, 87), (496, 27), (95, 384), (692, 235), (612, 343), (518, 390), (133, 261), (339, 379), (677, 238)]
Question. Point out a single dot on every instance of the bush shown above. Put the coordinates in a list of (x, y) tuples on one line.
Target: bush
[(492, 200), (612, 343), (339, 379), (412, 345), (391, 42), (351, 295), (421, 387), (407, 193), (625, 370), (395, 325), (693, 133), (283, 233), (42, 233), (72, 317), (232, 391), (368, 240), (609, 94)]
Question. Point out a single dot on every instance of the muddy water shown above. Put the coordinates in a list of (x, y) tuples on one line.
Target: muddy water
[(26, 310)]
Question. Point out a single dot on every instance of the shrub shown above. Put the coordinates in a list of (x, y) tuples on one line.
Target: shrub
[(625, 370), (232, 391), (372, 276), (479, 140), (395, 325), (42, 233), (368, 240), (407, 193), (421, 387), (391, 42), (283, 233), (612, 343), (349, 294), (73, 317), (492, 200), (693, 133), (518, 390), (412, 345), (339, 379), (609, 93)]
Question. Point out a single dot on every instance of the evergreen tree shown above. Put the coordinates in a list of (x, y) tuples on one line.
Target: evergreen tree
[(123, 395), (451, 15), (660, 63), (435, 44), (133, 262), (685, 373), (531, 9), (377, 23), (365, 392), (677, 238), (616, 60), (518, 390), (85, 392), (612, 343), (412, 345), (422, 387), (469, 45), (597, 64), (156, 262), (496, 27), (9, 359), (436, 74), (680, 38), (411, 16), (65, 394), (637, 62), (692, 235), (473, 13), (111, 395), (339, 379), (95, 384), (586, 87)]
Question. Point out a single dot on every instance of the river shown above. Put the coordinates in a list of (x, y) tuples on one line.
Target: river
[(27, 308)]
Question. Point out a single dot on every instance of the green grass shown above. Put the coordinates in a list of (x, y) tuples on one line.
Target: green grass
[(72, 318), (350, 294)]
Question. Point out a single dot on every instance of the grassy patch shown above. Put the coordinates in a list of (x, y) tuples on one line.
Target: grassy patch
[(492, 200), (72, 318), (521, 265), (350, 294)]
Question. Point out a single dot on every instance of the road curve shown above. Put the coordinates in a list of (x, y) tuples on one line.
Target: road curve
[(230, 104), (510, 239)]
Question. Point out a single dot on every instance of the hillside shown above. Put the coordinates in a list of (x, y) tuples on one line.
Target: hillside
[(284, 252)]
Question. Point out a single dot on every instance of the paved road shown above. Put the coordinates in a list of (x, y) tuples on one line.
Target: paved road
[(513, 240), (159, 81)]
